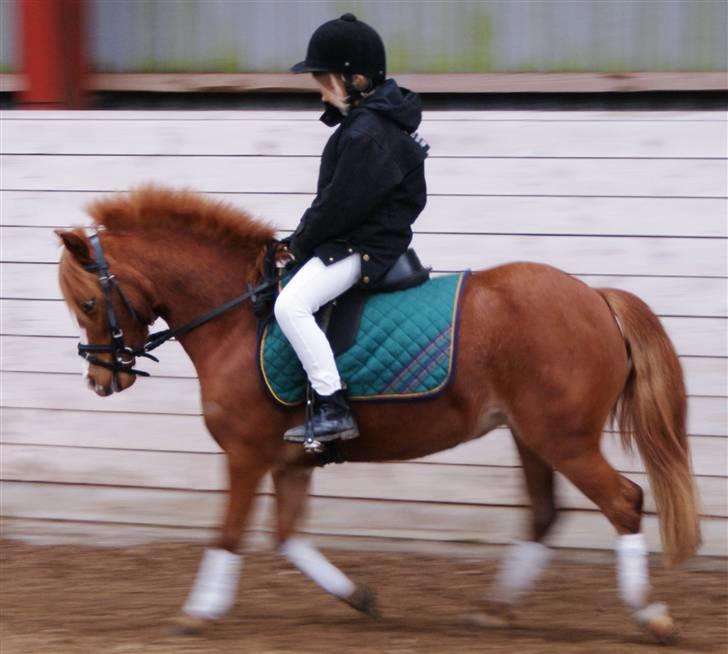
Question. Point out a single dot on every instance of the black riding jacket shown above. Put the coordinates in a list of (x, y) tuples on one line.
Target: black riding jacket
[(371, 185)]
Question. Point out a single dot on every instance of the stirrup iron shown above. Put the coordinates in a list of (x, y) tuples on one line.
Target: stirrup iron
[(313, 446)]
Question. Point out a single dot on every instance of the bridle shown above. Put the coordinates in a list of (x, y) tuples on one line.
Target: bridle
[(123, 356)]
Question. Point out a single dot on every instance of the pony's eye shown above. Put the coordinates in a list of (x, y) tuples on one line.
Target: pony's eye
[(88, 305)]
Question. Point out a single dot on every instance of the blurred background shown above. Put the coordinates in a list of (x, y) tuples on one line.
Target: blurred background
[(590, 135), (76, 52)]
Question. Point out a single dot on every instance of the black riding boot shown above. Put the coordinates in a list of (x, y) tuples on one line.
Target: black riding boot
[(332, 419)]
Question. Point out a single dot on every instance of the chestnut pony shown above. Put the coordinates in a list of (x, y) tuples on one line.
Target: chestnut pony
[(538, 351)]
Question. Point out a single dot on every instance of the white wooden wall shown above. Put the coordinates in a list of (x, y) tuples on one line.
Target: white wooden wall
[(629, 200)]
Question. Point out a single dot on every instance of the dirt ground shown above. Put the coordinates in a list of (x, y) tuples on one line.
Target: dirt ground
[(73, 600)]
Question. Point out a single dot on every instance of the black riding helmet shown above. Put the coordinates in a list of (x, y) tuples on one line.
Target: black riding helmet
[(345, 45)]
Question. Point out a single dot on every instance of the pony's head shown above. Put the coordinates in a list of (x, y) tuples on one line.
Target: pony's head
[(113, 313), (109, 280)]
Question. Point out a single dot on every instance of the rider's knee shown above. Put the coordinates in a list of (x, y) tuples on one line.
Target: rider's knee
[(285, 306)]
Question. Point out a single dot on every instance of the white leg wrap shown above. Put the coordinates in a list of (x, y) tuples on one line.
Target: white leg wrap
[(316, 566), (651, 613), (632, 573), (213, 592), (522, 565)]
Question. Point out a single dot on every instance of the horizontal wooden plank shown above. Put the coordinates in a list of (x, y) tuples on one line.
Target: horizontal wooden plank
[(494, 525), (602, 177), (448, 214), (241, 115), (672, 296), (707, 416), (198, 471), (574, 139), (501, 82), (60, 427), (708, 453), (134, 505), (41, 532), (51, 391), (477, 485), (577, 255), (681, 296), (414, 482), (158, 511), (687, 257), (690, 336), (182, 433), (703, 375), (452, 138), (44, 532)]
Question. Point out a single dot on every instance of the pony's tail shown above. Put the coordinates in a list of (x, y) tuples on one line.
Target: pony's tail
[(652, 413)]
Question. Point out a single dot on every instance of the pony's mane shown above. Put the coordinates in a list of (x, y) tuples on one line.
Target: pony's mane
[(156, 207)]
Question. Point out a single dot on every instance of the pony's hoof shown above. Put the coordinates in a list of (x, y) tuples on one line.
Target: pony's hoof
[(187, 625), (364, 601), (657, 622), (484, 620), (662, 628), (491, 615)]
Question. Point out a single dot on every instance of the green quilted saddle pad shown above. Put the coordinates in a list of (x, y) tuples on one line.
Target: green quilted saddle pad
[(404, 348)]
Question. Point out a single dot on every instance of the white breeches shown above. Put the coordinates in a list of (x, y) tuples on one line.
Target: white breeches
[(312, 286)]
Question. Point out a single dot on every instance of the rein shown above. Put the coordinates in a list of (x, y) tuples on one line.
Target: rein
[(123, 356)]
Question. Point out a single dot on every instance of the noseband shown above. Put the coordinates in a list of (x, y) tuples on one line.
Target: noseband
[(123, 356)]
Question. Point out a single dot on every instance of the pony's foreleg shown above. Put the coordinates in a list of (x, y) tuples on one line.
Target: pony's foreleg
[(524, 561), (291, 488), (215, 586)]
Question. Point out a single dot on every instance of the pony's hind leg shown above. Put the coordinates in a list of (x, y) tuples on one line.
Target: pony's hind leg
[(620, 500), (539, 479), (526, 560), (291, 484)]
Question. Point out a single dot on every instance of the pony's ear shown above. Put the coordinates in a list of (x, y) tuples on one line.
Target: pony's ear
[(75, 242)]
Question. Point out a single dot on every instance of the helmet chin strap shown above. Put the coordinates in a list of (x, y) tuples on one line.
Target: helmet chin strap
[(336, 105), (356, 94)]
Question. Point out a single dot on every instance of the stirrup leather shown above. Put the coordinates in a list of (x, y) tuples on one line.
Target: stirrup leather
[(320, 428)]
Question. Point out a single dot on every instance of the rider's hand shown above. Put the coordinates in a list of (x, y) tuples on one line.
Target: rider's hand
[(283, 256)]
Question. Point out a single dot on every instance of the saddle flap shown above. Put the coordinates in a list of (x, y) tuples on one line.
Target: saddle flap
[(345, 319)]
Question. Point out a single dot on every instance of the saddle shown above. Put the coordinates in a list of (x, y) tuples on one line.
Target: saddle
[(340, 319), (394, 340)]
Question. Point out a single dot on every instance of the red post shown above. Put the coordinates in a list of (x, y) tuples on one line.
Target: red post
[(53, 47)]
